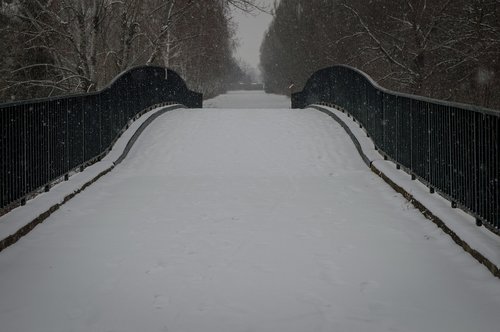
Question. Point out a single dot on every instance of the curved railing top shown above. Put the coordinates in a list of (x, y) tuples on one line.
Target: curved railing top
[(367, 77), (138, 73), (141, 73)]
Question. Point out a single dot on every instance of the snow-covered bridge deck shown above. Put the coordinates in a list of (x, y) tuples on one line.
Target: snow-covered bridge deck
[(242, 220)]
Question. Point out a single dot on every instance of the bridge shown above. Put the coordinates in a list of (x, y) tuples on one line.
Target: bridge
[(243, 215)]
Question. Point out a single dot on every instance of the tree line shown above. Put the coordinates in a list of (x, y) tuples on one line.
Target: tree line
[(446, 49), (57, 47)]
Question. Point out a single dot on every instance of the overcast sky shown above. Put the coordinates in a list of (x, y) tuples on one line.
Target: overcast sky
[(250, 33)]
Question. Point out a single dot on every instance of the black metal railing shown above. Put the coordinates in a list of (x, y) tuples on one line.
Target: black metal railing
[(452, 148), (44, 140)]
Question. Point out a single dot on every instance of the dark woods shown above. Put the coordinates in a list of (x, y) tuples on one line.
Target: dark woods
[(446, 49), (441, 48), (56, 47)]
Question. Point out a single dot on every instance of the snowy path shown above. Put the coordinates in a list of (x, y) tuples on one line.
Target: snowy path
[(242, 220)]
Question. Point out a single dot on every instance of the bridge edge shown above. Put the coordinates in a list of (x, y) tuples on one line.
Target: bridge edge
[(29, 226), (482, 259)]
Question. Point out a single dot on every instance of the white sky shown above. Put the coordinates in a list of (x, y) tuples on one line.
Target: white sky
[(251, 29)]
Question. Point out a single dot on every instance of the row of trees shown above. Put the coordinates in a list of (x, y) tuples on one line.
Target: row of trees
[(447, 49), (54, 47)]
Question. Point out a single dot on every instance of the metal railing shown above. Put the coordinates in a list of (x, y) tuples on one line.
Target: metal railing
[(46, 139), (452, 148)]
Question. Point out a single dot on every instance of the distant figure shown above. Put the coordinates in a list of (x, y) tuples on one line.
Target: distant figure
[(291, 87)]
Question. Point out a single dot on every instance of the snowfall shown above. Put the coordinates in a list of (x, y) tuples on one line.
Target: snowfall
[(245, 216)]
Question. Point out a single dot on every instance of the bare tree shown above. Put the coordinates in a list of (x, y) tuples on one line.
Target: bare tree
[(68, 46), (69, 33), (441, 48)]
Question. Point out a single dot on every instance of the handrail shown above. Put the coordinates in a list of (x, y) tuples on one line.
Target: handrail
[(42, 140), (453, 148), (154, 71)]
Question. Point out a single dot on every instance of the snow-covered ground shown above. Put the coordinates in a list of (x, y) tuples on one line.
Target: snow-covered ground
[(242, 220), (249, 100)]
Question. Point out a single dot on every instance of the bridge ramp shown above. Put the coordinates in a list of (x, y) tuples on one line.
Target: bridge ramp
[(242, 220)]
